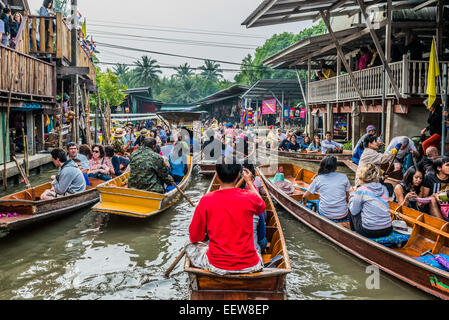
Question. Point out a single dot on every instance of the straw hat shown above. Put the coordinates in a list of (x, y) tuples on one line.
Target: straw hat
[(119, 133), (143, 132)]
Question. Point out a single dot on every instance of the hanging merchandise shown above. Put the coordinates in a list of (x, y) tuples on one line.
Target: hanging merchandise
[(269, 106)]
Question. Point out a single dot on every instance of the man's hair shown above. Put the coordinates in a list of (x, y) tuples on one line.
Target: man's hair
[(328, 132), (404, 141), (71, 144), (228, 172), (6, 10), (59, 154), (431, 151), (149, 142), (109, 151), (439, 162)]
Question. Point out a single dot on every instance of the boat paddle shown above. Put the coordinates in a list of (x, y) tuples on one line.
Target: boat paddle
[(181, 192)]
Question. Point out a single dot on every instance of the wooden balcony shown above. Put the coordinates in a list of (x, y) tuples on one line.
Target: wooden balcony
[(36, 78), (410, 76), (51, 37)]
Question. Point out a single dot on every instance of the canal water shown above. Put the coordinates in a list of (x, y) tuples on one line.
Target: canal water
[(93, 256)]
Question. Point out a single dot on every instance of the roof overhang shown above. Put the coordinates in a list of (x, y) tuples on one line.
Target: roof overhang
[(274, 88), (271, 12)]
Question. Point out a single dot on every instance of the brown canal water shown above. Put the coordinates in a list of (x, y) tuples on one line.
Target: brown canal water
[(92, 256)]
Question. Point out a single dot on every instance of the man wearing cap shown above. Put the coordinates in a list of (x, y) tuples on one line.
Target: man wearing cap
[(407, 146)]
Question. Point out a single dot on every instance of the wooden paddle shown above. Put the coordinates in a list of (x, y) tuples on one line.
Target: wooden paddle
[(181, 192), (389, 167)]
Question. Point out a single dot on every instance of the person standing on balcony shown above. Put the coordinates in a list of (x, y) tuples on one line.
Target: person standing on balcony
[(365, 58), (45, 10), (2, 30), (375, 59), (5, 17)]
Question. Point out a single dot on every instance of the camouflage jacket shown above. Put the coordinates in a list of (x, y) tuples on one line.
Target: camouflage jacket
[(148, 171)]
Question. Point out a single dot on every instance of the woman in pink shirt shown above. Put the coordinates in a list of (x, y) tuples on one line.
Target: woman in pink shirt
[(365, 58)]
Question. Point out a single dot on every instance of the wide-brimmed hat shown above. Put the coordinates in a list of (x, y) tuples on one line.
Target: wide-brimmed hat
[(285, 186), (400, 226), (119, 132), (143, 132)]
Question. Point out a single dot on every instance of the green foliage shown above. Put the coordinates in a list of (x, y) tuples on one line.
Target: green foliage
[(110, 90), (347, 146)]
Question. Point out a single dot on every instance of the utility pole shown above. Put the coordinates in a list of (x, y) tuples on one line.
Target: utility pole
[(74, 63)]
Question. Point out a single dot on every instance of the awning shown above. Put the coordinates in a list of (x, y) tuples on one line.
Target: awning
[(271, 12), (181, 116), (274, 88)]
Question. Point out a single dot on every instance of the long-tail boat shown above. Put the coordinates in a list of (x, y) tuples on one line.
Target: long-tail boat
[(267, 284), (26, 209), (305, 156), (118, 199), (402, 261)]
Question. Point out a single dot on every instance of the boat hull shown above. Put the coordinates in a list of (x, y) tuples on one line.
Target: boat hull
[(390, 261)]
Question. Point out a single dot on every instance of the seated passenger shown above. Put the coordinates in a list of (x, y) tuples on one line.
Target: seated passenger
[(148, 170), (333, 188), (293, 146), (119, 163), (99, 166), (86, 177), (69, 180), (368, 205), (315, 146), (330, 146), (285, 142), (226, 217), (406, 191), (435, 183), (178, 162), (306, 143)]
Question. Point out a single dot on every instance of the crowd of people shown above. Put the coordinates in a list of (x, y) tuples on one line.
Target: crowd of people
[(9, 27), (157, 158)]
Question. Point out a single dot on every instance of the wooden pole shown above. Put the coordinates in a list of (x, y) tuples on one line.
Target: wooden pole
[(5, 140), (25, 149), (62, 115), (87, 112)]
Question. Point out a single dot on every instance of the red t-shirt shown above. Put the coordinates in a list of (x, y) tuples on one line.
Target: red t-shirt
[(227, 217)]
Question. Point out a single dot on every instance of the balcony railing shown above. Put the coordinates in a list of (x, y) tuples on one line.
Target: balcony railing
[(410, 77), (51, 36), (36, 78)]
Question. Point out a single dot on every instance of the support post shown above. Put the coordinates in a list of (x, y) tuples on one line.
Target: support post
[(444, 100), (326, 20)]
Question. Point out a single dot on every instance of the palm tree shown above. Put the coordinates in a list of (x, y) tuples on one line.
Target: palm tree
[(120, 69), (184, 71), (189, 91), (147, 72), (211, 71)]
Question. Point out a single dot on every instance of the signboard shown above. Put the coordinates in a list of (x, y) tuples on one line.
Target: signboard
[(269, 106)]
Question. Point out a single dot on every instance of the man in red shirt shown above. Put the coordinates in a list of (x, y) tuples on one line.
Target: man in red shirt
[(226, 217)]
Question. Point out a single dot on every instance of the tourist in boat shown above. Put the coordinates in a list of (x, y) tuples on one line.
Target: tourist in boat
[(168, 147), (142, 135), (330, 146), (69, 180), (407, 147), (281, 135), (358, 150), (178, 162), (272, 139), (436, 183), (100, 167), (333, 188), (315, 146), (372, 156), (86, 177), (408, 190), (426, 163), (73, 154), (285, 142), (293, 146), (227, 224), (368, 205), (306, 143), (148, 169), (118, 162)]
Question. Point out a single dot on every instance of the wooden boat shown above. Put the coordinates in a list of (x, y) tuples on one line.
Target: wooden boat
[(268, 284), (394, 177), (207, 168), (428, 233), (117, 199), (31, 210), (304, 156)]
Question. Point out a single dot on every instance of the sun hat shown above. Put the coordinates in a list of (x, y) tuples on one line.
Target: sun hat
[(400, 226), (143, 132), (119, 132), (285, 186)]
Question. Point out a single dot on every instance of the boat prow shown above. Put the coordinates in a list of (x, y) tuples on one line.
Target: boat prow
[(117, 199)]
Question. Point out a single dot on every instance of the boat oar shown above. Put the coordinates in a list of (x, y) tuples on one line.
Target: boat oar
[(389, 167), (183, 252), (181, 192)]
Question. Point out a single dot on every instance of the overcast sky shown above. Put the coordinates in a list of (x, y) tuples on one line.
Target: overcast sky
[(183, 23)]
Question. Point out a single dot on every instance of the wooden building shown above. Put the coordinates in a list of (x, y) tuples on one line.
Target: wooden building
[(45, 60), (389, 95)]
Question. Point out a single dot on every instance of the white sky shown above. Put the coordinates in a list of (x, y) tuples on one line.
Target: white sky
[(213, 16)]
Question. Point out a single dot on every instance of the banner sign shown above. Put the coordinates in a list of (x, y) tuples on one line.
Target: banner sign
[(269, 106)]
